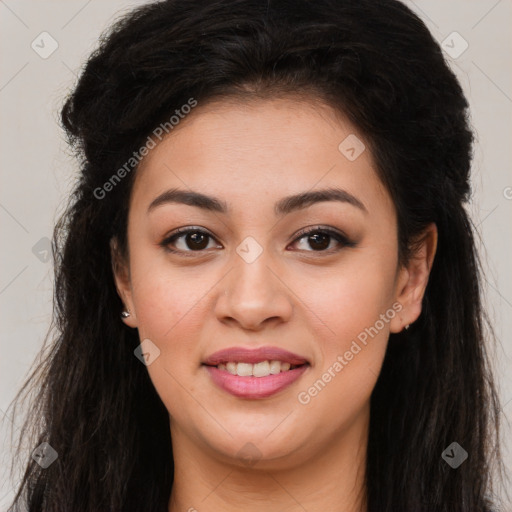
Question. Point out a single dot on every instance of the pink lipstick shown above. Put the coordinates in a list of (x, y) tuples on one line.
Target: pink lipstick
[(255, 373)]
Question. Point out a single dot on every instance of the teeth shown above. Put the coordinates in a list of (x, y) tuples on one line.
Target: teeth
[(261, 369), (275, 367), (244, 369)]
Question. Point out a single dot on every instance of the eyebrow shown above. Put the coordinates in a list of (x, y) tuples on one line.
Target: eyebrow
[(283, 207)]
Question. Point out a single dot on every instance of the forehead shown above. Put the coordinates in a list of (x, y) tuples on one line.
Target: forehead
[(258, 151)]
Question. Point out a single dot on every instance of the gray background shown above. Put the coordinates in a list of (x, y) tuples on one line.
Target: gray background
[(38, 171)]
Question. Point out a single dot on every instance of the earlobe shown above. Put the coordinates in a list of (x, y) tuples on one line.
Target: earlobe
[(127, 318), (399, 322), (122, 282), (413, 279)]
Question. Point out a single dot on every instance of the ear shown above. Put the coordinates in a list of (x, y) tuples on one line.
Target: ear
[(413, 278), (121, 271)]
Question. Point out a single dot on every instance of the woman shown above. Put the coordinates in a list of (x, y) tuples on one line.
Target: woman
[(267, 290)]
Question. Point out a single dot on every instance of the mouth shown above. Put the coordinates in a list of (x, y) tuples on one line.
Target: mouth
[(257, 373)]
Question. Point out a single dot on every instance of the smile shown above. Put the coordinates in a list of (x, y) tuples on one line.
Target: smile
[(254, 373)]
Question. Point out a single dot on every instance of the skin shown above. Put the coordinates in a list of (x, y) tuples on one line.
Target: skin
[(302, 456)]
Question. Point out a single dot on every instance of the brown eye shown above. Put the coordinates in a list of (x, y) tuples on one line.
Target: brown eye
[(196, 240), (320, 240), (187, 240), (190, 240)]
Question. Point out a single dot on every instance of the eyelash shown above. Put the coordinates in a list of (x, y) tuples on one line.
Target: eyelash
[(339, 237)]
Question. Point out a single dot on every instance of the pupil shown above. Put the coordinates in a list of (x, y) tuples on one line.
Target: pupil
[(196, 242), (324, 243)]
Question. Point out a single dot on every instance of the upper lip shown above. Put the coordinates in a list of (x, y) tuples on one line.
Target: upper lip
[(255, 355)]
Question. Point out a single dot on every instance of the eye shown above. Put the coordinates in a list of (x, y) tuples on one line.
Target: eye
[(319, 239), (187, 240), (193, 239)]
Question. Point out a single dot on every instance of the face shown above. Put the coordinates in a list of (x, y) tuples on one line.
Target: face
[(262, 273)]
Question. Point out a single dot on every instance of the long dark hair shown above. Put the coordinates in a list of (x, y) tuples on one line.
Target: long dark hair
[(376, 63)]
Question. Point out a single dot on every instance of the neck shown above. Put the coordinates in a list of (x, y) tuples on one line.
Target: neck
[(333, 478)]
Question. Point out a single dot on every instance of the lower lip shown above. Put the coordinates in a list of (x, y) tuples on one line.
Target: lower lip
[(254, 387)]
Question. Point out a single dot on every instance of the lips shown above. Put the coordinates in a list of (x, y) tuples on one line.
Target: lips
[(243, 385)]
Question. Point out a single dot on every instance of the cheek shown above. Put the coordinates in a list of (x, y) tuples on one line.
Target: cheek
[(164, 297), (348, 299), (355, 307), (170, 312)]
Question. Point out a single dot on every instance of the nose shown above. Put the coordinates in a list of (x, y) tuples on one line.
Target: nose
[(254, 295)]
